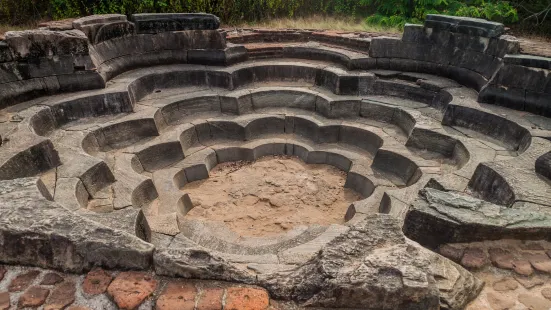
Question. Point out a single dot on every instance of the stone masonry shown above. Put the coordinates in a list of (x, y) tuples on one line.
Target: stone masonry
[(443, 132)]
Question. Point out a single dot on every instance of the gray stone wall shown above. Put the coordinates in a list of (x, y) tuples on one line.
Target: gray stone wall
[(523, 83), (41, 62), (465, 49), (95, 48)]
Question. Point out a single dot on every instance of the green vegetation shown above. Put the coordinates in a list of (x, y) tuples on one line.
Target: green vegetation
[(399, 12), (524, 14)]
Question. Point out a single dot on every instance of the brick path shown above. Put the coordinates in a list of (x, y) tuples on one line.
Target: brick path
[(34, 288), (517, 273)]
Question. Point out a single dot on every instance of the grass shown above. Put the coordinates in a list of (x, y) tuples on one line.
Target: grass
[(317, 22), (5, 27), (314, 22)]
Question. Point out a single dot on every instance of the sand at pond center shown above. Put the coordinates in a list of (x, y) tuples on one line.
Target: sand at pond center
[(271, 195)]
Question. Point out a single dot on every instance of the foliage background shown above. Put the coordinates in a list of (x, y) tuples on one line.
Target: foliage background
[(527, 15)]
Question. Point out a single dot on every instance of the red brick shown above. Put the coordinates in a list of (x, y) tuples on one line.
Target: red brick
[(211, 299), (62, 296), (51, 278), (540, 262), (245, 298), (534, 302), (96, 282), (33, 297), (506, 284), (452, 252), (523, 267), (499, 301), (474, 258), (5, 301), (501, 258), (22, 281), (531, 246), (530, 282), (130, 289), (2, 272), (177, 295)]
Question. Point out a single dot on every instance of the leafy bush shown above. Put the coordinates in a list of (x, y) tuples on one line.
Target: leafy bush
[(392, 13)]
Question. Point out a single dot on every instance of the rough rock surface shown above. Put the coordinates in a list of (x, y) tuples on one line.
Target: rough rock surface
[(373, 260), (358, 268), (439, 217), (60, 239), (395, 128)]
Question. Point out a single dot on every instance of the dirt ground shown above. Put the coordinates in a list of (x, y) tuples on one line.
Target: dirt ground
[(535, 46), (271, 196)]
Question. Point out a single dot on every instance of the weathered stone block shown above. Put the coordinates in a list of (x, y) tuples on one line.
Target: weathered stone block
[(478, 62), (528, 61), (445, 217), (514, 98), (6, 53), (397, 165), (156, 22), (415, 34), (98, 19), (28, 155), (31, 44), (505, 44), (543, 165), (466, 25), (531, 79), (69, 242), (538, 103), (501, 129)]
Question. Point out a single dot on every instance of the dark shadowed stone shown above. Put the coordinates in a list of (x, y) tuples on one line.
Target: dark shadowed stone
[(99, 28), (98, 19), (444, 217), (42, 43), (513, 98), (23, 162), (6, 53), (538, 103), (508, 132), (466, 25), (543, 165), (528, 61), (155, 23), (533, 79), (51, 279), (415, 33)]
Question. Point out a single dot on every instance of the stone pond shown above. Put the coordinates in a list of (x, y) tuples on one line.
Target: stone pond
[(436, 145)]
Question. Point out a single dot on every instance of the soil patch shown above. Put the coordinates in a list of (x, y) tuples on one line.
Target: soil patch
[(271, 195)]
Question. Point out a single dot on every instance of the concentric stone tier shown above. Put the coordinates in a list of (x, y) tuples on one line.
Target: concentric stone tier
[(174, 100)]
